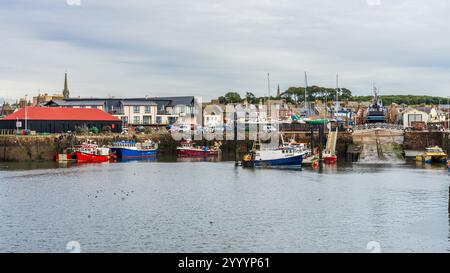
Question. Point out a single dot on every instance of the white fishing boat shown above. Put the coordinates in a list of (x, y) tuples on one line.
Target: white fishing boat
[(287, 154)]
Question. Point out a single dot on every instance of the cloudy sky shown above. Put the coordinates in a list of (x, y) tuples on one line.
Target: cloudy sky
[(208, 47)]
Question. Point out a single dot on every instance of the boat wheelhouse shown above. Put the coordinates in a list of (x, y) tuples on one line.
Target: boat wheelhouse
[(376, 112)]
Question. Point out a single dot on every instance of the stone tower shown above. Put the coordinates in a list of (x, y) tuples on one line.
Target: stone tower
[(66, 93), (278, 91)]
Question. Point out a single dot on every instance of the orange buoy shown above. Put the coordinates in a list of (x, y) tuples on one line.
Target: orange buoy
[(315, 164)]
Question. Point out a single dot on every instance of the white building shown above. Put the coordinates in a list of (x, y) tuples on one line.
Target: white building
[(410, 115), (437, 115), (138, 112)]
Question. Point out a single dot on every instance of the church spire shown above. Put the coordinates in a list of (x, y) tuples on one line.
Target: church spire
[(278, 91), (66, 93)]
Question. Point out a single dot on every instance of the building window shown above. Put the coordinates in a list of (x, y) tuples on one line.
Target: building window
[(94, 107), (82, 106), (147, 109), (158, 120), (172, 120), (147, 119), (136, 109), (414, 117), (136, 120), (124, 120)]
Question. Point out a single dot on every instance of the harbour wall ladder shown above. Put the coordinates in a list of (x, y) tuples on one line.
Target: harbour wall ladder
[(379, 148), (331, 141)]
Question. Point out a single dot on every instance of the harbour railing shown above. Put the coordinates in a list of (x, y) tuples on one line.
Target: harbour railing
[(7, 132)]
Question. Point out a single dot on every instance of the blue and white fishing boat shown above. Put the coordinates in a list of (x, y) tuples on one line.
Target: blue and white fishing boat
[(128, 149)]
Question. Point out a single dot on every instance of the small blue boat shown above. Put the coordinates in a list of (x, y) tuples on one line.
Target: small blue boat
[(129, 150)]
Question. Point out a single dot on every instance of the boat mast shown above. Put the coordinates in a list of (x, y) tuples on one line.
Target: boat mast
[(375, 94), (306, 87), (268, 91), (337, 92)]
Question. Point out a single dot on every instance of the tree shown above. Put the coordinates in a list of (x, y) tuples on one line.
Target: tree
[(251, 98), (222, 100), (345, 93), (294, 94), (231, 97), (297, 94)]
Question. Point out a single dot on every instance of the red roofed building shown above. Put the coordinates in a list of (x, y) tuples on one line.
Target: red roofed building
[(59, 120)]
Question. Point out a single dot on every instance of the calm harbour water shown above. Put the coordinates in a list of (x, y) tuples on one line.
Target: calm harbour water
[(166, 206)]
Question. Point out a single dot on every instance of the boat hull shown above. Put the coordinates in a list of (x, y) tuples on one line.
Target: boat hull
[(196, 153), (330, 159), (431, 159), (296, 160), (435, 159), (91, 158), (125, 153)]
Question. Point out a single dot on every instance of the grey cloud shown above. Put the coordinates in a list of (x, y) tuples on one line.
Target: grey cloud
[(209, 47)]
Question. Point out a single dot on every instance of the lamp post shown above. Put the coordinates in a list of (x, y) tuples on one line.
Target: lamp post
[(26, 112)]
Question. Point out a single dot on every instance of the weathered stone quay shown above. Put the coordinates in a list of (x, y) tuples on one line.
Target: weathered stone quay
[(45, 147)]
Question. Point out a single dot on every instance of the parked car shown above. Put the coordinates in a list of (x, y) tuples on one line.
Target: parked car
[(184, 128), (268, 129), (198, 129), (214, 129)]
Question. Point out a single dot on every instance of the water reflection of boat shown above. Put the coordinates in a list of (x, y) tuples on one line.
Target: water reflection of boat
[(129, 149), (145, 159), (433, 155), (189, 149), (430, 166), (198, 159)]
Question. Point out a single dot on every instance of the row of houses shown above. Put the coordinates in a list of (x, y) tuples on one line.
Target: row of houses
[(111, 114), (425, 115), (136, 111)]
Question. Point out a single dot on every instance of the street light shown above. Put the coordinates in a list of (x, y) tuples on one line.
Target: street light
[(26, 112)]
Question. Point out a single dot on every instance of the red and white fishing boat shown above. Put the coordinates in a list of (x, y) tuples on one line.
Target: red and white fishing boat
[(91, 153), (329, 157), (188, 148)]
